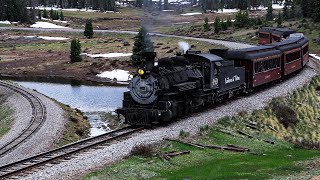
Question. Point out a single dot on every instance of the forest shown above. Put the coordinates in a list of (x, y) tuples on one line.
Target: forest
[(15, 10)]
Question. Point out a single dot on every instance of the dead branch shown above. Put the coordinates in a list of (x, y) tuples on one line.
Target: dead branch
[(175, 153), (183, 142)]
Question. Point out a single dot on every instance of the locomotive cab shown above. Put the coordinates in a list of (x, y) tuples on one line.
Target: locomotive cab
[(219, 74)]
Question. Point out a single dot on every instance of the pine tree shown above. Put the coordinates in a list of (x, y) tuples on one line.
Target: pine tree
[(229, 22), (45, 13), (142, 44), (206, 26), (52, 14), (160, 5), (269, 12), (279, 20), (61, 16), (39, 14), (285, 10), (316, 12), (217, 25), (166, 5), (75, 51), (88, 32)]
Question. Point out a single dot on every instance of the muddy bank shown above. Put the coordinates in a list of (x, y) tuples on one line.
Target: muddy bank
[(75, 81)]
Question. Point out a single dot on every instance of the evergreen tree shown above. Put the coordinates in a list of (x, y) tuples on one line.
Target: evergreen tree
[(139, 3), (224, 25), (33, 14), (45, 13), (279, 20), (160, 5), (242, 19), (217, 25), (61, 16), (285, 11), (142, 44), (269, 12), (316, 13), (293, 11), (75, 51), (39, 14), (88, 31), (166, 5), (52, 14), (229, 22), (206, 26)]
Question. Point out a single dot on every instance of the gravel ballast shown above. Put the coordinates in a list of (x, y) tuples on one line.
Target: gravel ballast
[(44, 138), (96, 158)]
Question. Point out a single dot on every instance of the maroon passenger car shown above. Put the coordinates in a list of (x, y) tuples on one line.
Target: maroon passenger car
[(262, 64)]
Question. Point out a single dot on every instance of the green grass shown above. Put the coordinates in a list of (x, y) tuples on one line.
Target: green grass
[(262, 162), (6, 119)]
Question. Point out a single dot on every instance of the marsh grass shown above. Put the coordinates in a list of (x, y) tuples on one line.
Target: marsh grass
[(6, 116)]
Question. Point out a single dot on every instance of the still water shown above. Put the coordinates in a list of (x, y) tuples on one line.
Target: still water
[(92, 100)]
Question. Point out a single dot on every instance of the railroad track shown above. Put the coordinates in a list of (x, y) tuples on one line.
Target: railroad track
[(38, 117), (17, 169)]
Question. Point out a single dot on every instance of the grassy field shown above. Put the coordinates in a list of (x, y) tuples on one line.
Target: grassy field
[(291, 123), (6, 117), (262, 162)]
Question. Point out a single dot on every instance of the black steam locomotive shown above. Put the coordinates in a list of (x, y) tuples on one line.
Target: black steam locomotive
[(179, 85)]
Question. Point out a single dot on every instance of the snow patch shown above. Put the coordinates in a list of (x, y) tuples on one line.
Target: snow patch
[(48, 38), (65, 22), (109, 55), (227, 11), (119, 74), (47, 25), (5, 22), (69, 9), (191, 14), (315, 56)]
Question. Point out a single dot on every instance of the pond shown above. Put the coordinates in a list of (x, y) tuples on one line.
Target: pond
[(94, 101)]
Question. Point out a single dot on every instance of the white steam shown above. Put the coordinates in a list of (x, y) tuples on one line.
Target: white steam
[(183, 46)]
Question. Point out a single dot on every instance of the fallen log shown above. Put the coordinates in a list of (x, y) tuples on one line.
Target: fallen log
[(225, 148), (244, 133), (183, 142), (175, 153), (238, 147), (273, 129)]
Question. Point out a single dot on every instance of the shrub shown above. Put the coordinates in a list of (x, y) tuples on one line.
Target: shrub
[(75, 51), (206, 26), (145, 150), (286, 116), (184, 133), (88, 31)]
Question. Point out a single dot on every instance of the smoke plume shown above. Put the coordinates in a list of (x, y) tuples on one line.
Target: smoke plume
[(183, 46)]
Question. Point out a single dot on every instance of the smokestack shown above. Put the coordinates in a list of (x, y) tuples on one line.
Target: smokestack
[(150, 56)]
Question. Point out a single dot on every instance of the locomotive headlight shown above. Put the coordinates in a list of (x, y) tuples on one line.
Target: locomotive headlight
[(141, 72)]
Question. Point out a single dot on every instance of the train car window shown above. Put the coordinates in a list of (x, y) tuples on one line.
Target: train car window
[(267, 65), (263, 35), (276, 38), (293, 56), (306, 50)]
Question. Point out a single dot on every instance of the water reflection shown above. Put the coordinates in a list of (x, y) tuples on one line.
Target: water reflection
[(92, 100)]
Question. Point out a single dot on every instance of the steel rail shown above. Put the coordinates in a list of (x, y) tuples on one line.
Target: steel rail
[(39, 114), (18, 168)]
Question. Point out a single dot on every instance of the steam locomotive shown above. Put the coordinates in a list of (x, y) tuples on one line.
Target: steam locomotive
[(180, 85)]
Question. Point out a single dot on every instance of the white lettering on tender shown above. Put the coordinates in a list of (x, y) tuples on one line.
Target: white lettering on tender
[(232, 79)]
